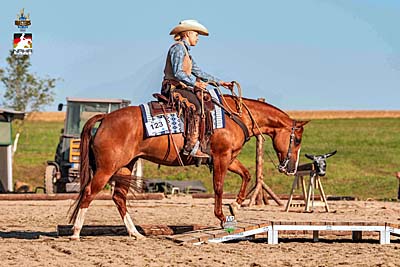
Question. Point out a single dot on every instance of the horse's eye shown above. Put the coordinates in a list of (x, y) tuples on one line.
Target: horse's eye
[(297, 141)]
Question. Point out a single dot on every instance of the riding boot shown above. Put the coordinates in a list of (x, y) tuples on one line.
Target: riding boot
[(192, 140)]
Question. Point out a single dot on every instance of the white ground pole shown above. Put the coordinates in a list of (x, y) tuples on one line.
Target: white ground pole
[(384, 232), (9, 169), (395, 231), (264, 229)]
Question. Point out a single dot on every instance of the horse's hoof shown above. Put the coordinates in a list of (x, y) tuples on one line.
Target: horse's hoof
[(234, 208), (74, 238), (137, 236), (222, 223)]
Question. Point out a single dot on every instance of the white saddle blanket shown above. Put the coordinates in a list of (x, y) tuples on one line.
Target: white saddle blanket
[(157, 125)]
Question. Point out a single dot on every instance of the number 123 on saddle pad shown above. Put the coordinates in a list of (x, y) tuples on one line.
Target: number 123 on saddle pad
[(157, 125)]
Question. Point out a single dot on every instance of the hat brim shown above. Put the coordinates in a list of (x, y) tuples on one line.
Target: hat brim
[(184, 28)]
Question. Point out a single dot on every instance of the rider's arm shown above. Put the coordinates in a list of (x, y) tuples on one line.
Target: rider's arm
[(196, 71), (177, 54)]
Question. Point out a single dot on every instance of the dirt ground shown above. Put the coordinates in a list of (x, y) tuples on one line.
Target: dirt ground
[(28, 236)]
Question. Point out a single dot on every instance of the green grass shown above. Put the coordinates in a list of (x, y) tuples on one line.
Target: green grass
[(37, 144), (368, 155)]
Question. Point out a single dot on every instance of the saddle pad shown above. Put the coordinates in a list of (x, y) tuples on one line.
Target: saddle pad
[(218, 113), (156, 108), (157, 125)]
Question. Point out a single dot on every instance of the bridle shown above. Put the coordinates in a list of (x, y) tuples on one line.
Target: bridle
[(284, 163)]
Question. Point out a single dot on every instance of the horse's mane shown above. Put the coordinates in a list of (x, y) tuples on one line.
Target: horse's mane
[(236, 98)]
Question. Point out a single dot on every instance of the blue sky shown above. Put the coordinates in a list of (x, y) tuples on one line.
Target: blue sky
[(299, 55)]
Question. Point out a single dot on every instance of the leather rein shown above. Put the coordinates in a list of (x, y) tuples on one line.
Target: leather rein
[(235, 116)]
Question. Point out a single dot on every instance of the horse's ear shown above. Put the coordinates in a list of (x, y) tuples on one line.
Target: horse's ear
[(330, 154), (309, 156), (301, 123)]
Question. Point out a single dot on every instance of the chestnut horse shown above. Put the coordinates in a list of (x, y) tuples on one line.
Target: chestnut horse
[(120, 141)]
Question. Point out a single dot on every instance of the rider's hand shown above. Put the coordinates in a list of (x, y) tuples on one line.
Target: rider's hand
[(200, 84), (228, 85)]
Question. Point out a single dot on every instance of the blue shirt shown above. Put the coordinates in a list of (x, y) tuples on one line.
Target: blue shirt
[(177, 53)]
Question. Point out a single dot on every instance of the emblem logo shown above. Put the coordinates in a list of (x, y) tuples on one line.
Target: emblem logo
[(22, 43), (22, 21)]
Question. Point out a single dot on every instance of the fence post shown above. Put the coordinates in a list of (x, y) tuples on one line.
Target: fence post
[(261, 189)]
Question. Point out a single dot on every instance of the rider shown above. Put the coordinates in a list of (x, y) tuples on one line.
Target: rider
[(182, 73)]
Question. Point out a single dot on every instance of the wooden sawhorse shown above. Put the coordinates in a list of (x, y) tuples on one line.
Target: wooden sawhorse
[(308, 169)]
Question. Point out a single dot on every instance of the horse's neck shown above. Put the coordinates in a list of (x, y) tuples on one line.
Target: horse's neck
[(262, 116)]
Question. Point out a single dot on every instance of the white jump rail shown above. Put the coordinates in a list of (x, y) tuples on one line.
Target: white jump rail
[(242, 230), (392, 229), (356, 229), (229, 237), (274, 228)]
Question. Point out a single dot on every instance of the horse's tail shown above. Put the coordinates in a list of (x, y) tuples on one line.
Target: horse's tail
[(85, 162)]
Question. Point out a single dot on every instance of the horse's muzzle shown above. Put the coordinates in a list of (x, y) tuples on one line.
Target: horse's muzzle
[(287, 167)]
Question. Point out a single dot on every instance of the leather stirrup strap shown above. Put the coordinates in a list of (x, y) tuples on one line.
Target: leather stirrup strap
[(172, 138)]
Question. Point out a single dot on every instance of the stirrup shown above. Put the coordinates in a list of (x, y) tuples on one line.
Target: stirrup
[(196, 153), (200, 155)]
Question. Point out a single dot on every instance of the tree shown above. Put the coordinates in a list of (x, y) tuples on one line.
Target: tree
[(25, 91)]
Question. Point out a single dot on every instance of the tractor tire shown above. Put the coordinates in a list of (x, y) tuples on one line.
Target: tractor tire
[(49, 178)]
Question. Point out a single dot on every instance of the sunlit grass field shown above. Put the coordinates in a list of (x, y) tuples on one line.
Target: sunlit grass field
[(368, 155)]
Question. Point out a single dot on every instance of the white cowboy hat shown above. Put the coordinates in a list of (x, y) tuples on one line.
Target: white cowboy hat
[(189, 25)]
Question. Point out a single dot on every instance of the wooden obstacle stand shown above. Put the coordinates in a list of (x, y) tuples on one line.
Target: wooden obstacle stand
[(259, 193), (250, 228), (314, 171)]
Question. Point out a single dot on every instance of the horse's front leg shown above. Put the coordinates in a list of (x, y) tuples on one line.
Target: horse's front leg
[(221, 164), (237, 167)]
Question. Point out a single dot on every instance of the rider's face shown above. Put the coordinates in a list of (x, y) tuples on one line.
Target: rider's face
[(193, 38)]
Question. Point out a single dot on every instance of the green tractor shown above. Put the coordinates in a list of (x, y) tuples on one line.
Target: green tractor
[(62, 174)]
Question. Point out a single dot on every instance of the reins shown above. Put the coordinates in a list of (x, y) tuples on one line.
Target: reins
[(239, 103), (236, 117)]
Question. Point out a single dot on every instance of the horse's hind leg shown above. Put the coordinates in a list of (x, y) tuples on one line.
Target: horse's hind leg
[(98, 182), (237, 167), (119, 197)]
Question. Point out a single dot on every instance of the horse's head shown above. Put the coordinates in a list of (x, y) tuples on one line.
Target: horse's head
[(287, 143), (320, 162)]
